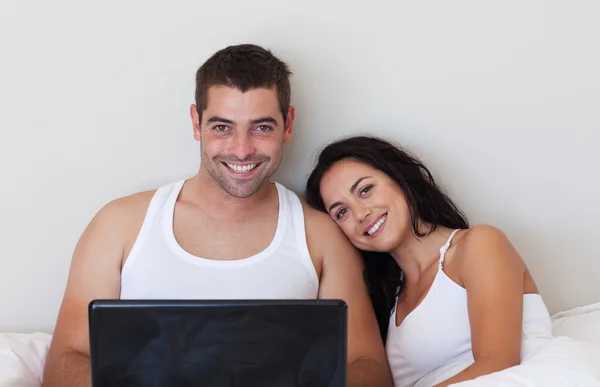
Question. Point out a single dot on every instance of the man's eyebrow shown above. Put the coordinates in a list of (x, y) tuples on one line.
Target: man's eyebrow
[(214, 119), (357, 183), (266, 119)]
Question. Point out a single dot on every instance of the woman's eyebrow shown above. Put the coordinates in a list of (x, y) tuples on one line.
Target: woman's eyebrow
[(357, 183)]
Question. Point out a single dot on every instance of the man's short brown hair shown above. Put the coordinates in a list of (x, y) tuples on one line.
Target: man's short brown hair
[(245, 67)]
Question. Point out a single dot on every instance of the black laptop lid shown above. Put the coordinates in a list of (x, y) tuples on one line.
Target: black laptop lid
[(218, 343)]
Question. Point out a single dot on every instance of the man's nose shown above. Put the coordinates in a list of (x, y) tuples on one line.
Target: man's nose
[(242, 146)]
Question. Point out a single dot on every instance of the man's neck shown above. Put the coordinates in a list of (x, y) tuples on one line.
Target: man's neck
[(202, 191)]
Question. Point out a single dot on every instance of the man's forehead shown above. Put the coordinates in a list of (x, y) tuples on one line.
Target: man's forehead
[(249, 104), (255, 93)]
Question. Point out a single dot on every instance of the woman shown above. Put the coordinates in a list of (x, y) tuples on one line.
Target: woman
[(453, 302)]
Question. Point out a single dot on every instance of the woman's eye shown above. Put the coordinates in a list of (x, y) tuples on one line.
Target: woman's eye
[(365, 190), (340, 213)]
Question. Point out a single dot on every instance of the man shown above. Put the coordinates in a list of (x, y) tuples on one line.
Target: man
[(227, 232)]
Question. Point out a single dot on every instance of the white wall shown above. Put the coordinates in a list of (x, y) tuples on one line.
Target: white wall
[(500, 98)]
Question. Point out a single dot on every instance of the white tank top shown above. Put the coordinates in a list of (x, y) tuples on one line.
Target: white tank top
[(433, 343), (159, 268)]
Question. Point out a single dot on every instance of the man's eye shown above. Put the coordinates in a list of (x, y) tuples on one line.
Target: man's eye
[(263, 128), (220, 128)]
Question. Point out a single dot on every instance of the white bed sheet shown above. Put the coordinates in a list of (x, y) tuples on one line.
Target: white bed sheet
[(582, 323), (571, 359), (560, 362), (22, 358)]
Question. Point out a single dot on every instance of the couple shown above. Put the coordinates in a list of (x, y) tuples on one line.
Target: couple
[(430, 300)]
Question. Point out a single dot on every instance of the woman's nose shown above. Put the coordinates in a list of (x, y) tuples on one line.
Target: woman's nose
[(362, 213)]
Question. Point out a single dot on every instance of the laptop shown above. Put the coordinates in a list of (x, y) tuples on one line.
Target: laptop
[(218, 343)]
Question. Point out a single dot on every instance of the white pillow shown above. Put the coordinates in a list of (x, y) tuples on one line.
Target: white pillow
[(22, 358), (581, 323)]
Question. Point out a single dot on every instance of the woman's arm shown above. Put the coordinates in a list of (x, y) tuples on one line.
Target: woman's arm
[(492, 272)]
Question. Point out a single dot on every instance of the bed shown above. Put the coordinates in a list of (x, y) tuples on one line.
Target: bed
[(22, 356)]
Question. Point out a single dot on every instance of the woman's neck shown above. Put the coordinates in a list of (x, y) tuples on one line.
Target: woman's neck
[(415, 254)]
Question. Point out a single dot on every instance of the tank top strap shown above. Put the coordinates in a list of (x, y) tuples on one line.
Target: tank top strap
[(295, 234), (445, 247)]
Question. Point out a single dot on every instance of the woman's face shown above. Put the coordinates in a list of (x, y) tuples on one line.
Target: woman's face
[(367, 205)]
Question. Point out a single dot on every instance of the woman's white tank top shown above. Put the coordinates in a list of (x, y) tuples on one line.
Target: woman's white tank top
[(433, 343), (159, 268)]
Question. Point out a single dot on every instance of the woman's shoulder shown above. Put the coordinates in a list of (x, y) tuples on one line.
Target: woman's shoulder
[(481, 236), (484, 250)]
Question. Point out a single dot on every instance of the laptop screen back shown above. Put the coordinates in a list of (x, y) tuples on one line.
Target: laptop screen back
[(218, 343)]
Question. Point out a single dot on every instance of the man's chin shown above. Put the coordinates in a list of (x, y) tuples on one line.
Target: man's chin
[(240, 186), (242, 189)]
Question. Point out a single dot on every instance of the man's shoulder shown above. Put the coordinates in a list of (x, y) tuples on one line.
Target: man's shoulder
[(125, 213), (135, 204), (320, 226), (326, 240), (128, 205), (315, 216), (311, 215)]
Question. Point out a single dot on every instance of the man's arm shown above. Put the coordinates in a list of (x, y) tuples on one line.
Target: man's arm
[(95, 273), (342, 278)]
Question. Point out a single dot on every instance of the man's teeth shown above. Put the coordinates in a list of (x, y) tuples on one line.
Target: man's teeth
[(377, 225), (242, 168)]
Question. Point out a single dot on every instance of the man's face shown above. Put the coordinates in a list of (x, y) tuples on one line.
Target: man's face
[(241, 137)]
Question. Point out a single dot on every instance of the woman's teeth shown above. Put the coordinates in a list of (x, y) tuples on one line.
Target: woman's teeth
[(241, 168), (376, 226)]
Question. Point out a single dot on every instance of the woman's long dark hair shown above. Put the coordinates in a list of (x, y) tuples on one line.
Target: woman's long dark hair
[(427, 202)]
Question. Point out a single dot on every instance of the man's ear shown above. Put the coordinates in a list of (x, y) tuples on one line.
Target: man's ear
[(289, 124), (195, 121)]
